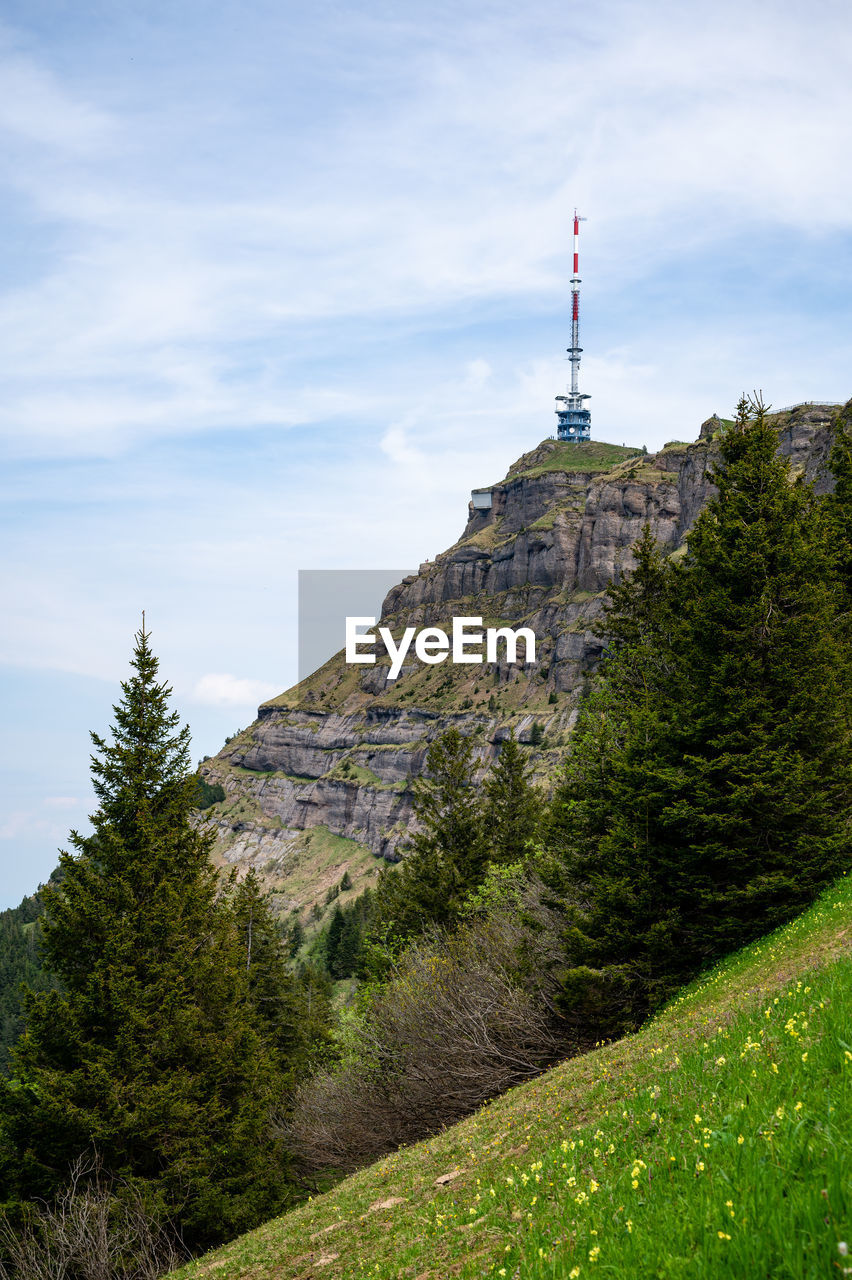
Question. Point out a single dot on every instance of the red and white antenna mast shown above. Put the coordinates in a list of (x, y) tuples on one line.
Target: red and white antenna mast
[(574, 421)]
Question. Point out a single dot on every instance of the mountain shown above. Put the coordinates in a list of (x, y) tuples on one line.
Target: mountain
[(319, 786)]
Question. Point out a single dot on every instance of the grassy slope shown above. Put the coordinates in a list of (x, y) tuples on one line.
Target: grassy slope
[(585, 457), (716, 1142)]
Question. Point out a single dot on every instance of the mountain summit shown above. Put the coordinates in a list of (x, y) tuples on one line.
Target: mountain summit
[(318, 788)]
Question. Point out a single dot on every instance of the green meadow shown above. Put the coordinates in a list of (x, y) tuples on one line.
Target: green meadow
[(716, 1142)]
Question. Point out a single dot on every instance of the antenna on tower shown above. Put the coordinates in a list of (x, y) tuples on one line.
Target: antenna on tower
[(574, 421)]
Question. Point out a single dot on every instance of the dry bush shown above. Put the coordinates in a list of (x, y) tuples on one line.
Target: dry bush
[(93, 1230), (465, 1016)]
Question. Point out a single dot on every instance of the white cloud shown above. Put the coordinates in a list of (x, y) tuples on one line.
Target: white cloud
[(220, 689), (27, 823), (478, 373), (358, 229), (670, 133), (35, 108), (396, 444)]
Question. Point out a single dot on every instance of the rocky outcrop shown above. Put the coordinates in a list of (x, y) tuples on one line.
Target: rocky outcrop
[(338, 753)]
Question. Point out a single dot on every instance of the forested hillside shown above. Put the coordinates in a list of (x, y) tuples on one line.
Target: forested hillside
[(20, 963), (190, 1075), (321, 784)]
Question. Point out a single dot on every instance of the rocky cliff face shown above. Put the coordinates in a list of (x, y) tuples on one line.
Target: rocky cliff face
[(321, 782)]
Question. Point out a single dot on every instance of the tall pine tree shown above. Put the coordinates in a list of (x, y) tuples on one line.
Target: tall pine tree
[(838, 510), (708, 794), (151, 1053), (291, 1013), (447, 854), (513, 805)]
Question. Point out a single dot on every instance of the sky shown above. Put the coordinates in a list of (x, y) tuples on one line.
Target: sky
[(280, 283)]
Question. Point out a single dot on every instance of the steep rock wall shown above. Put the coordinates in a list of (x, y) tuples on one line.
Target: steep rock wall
[(338, 752)]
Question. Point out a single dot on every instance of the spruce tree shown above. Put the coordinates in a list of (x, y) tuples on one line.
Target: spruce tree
[(447, 854), (512, 805), (343, 938), (277, 994), (350, 942), (838, 511), (333, 937), (708, 794), (295, 937), (151, 1053), (623, 729), (767, 810)]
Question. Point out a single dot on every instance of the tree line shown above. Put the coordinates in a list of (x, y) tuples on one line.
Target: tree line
[(705, 799), (20, 963), (168, 1046)]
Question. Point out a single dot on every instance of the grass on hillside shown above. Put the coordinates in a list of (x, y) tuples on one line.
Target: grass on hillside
[(581, 456), (714, 1143), (320, 863)]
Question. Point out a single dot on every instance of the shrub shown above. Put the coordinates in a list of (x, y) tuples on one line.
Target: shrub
[(464, 1016), (95, 1229), (208, 793)]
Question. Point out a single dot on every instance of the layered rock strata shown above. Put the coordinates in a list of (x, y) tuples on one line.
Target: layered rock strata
[(321, 782)]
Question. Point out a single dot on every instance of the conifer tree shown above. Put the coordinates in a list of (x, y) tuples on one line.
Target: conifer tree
[(295, 937), (767, 810), (343, 937), (350, 942), (708, 795), (512, 805), (332, 942), (151, 1052), (623, 730), (447, 854), (838, 509), (278, 995)]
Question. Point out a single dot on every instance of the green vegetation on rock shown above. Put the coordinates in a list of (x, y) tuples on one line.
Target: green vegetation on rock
[(585, 456)]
